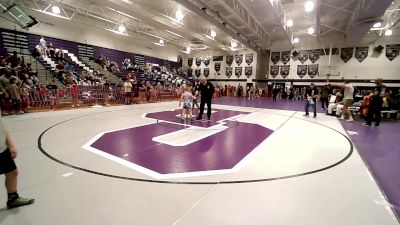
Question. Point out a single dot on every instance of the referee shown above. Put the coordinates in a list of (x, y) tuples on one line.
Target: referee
[(206, 90)]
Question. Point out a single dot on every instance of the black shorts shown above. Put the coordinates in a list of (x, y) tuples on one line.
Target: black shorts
[(7, 164)]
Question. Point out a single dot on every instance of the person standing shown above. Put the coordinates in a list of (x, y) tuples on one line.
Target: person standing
[(311, 99), (347, 100), (206, 90), (325, 92), (375, 105), (9, 169)]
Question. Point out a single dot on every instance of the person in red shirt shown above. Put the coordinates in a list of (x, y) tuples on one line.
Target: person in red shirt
[(74, 94)]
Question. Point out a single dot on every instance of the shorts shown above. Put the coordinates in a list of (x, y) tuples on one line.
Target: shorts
[(347, 103), (187, 105), (7, 164)]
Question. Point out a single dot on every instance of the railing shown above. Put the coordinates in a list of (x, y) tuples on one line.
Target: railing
[(66, 97)]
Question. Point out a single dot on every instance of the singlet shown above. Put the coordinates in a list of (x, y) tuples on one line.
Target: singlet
[(3, 144), (187, 97)]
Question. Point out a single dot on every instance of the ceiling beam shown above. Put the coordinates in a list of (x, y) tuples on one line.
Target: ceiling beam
[(318, 19), (202, 11)]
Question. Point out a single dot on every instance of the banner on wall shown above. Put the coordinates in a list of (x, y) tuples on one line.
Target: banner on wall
[(274, 71), (248, 71), (303, 56), (190, 62), (275, 57), (313, 70), (238, 71), (190, 72), (314, 55), (239, 59), (361, 53), (285, 57), (346, 54), (229, 71), (197, 72), (198, 62), (229, 60), (392, 51), (301, 70), (249, 59), (206, 62), (217, 66), (285, 71), (206, 72)]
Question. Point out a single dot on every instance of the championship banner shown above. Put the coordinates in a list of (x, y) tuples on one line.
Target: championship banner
[(197, 72), (301, 70), (313, 70), (249, 59), (314, 55), (275, 57), (206, 72), (285, 71), (248, 71), (303, 56), (190, 72), (346, 54), (229, 71), (285, 57), (229, 60), (238, 71), (361, 53), (274, 71), (206, 62), (239, 59), (217, 66), (190, 62), (392, 51), (198, 62)]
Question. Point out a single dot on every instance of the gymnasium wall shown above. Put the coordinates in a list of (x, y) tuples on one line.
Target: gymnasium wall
[(375, 65), (221, 77), (81, 32)]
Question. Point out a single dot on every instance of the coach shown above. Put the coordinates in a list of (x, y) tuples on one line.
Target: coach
[(206, 90)]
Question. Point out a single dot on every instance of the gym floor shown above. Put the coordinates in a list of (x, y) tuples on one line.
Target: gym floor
[(254, 162)]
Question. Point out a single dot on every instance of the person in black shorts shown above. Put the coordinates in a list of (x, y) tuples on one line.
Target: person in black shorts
[(9, 169)]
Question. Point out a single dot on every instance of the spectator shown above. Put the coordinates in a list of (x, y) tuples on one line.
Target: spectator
[(311, 97), (128, 92), (74, 94), (51, 51), (43, 47), (15, 94), (348, 100), (325, 92), (59, 56), (337, 104), (13, 60)]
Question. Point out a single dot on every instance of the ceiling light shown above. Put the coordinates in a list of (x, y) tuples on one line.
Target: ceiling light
[(309, 6), (55, 9), (289, 23), (179, 14), (213, 33), (121, 28), (377, 24), (188, 49), (233, 44), (310, 30), (388, 32), (161, 41), (296, 40)]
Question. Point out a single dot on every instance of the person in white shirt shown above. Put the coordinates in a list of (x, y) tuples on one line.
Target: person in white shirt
[(128, 92), (347, 100)]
